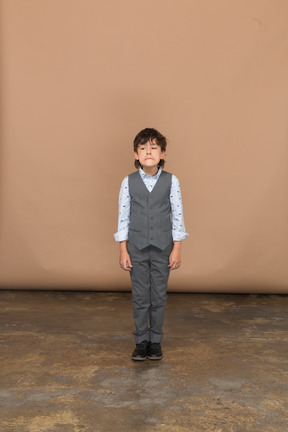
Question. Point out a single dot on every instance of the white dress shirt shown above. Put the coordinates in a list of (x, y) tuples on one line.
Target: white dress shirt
[(178, 227)]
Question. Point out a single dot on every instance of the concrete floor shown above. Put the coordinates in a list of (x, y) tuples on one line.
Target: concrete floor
[(66, 364)]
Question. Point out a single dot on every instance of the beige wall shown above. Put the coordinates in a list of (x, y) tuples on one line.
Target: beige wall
[(79, 79)]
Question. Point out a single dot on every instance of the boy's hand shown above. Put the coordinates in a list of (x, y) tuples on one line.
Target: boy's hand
[(124, 261), (175, 256)]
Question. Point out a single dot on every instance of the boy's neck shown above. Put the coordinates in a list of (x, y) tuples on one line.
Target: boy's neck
[(150, 171)]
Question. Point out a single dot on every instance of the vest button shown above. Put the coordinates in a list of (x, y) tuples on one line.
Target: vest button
[(151, 217), (151, 238)]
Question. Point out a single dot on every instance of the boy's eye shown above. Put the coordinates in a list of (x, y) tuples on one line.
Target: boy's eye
[(153, 148)]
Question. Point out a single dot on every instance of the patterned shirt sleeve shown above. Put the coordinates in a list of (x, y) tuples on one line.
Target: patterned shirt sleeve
[(178, 226), (124, 212)]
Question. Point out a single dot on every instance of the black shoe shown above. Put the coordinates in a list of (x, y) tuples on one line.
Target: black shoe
[(154, 351), (140, 352)]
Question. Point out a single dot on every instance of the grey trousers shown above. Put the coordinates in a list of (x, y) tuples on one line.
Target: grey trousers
[(149, 277)]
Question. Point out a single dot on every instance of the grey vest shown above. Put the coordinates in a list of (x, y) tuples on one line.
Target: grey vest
[(150, 221)]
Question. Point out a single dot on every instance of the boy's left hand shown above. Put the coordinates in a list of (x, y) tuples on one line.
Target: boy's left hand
[(175, 259)]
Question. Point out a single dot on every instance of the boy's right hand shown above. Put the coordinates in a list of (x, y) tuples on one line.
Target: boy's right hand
[(125, 261)]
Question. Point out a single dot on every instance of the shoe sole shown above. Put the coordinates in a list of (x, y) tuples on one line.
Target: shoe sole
[(155, 358), (139, 358)]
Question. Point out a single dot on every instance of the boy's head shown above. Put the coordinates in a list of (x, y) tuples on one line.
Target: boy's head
[(154, 137)]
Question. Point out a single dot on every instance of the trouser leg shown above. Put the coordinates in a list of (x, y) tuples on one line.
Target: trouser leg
[(140, 278), (159, 275)]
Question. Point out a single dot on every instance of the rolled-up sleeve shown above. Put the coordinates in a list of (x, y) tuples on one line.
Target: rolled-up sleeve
[(178, 227), (123, 212)]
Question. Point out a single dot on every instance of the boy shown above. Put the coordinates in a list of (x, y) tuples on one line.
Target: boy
[(150, 244)]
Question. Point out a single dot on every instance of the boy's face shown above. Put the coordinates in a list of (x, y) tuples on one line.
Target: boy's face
[(149, 154)]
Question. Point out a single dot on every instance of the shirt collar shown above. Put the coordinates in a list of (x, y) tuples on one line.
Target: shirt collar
[(155, 177)]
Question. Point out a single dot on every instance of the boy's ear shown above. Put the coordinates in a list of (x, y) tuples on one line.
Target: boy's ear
[(136, 155)]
